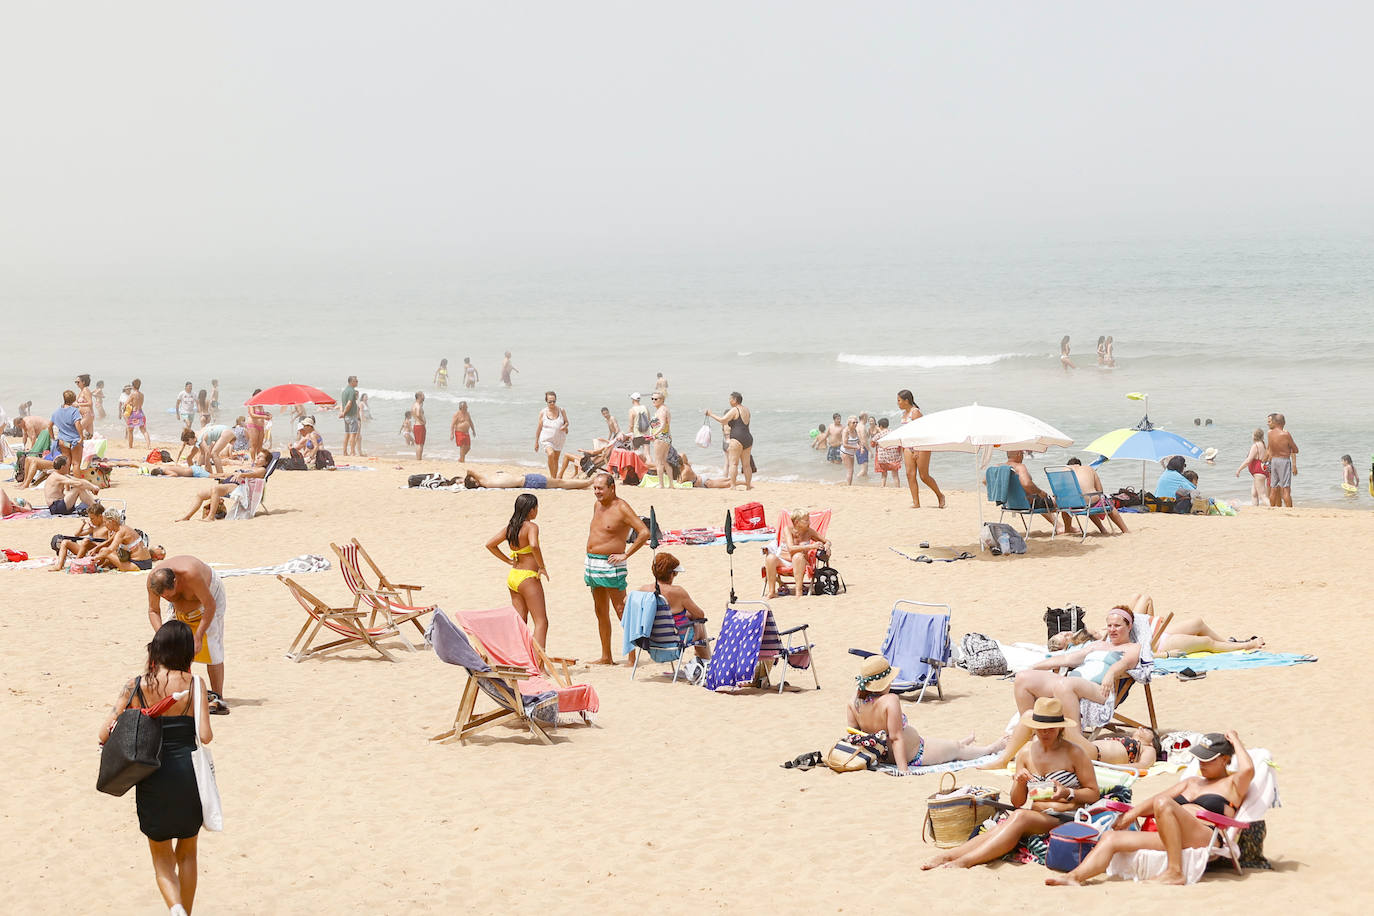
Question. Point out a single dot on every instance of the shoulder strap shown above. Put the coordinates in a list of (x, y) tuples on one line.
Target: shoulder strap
[(138, 692)]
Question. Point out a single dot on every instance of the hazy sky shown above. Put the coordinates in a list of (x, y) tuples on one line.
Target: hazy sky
[(153, 131)]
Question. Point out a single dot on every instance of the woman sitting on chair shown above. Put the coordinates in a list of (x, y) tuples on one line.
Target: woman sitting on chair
[(680, 603), (1174, 812), (1052, 773), (1182, 636), (875, 711), (212, 499), (796, 541), (1094, 669)]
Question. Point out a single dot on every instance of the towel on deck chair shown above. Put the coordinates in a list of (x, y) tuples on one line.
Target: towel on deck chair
[(509, 642), (641, 610)]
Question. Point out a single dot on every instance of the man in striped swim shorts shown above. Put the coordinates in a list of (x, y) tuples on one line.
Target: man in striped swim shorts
[(607, 556)]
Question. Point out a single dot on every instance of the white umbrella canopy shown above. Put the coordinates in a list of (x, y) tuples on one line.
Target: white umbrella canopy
[(979, 430), (975, 427)]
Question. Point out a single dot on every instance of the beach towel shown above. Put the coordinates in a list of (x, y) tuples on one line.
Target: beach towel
[(713, 536), (953, 766), (243, 501), (999, 482), (736, 655), (640, 610), (29, 514), (29, 564), (305, 563), (509, 642), (452, 647), (1230, 661), (910, 638), (928, 554)]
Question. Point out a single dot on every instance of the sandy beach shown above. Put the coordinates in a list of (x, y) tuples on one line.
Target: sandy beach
[(335, 800)]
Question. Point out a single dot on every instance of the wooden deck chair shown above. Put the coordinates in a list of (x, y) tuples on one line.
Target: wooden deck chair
[(1070, 499), (1004, 488), (820, 521), (1156, 627), (538, 714), (506, 640), (385, 599), (345, 622), (917, 644)]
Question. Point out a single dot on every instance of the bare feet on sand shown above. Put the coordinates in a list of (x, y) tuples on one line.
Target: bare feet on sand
[(604, 661), (1063, 881), (943, 860), (1171, 877)]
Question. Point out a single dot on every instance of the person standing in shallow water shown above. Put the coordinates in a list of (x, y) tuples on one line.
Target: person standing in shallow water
[(1064, 354), (417, 424), (507, 367)]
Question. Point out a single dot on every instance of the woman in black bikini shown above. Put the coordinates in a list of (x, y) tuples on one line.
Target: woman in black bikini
[(1051, 773), (1140, 749), (1175, 811), (739, 447)]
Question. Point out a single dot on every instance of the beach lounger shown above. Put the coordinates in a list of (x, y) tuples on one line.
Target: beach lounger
[(917, 644), (344, 622), (1004, 488), (651, 629), (750, 644), (537, 713), (505, 640), (820, 521), (1070, 498), (385, 599), (1095, 717), (1263, 794)]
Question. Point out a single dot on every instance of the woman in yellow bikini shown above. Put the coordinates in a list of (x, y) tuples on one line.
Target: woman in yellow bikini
[(526, 563)]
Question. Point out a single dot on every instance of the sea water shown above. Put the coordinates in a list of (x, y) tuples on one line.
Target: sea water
[(1219, 329)]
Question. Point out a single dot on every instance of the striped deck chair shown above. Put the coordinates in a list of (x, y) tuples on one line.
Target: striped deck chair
[(660, 635), (750, 644), (918, 646), (538, 713), (345, 622), (503, 639), (820, 521), (384, 599)]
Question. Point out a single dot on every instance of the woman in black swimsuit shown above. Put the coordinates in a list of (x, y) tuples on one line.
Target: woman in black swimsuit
[(1052, 774), (168, 801), (1175, 811), (739, 446)]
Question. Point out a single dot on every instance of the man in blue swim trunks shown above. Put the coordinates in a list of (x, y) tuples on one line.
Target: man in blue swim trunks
[(834, 438), (607, 556)]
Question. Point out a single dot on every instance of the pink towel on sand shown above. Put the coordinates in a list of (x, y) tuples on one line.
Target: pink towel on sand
[(509, 642)]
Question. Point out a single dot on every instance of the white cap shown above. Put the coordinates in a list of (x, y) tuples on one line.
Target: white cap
[(635, 396)]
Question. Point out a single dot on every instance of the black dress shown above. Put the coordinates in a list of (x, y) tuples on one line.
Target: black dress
[(168, 800)]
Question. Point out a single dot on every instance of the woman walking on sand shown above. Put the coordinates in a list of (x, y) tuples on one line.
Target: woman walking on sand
[(917, 462), (168, 800)]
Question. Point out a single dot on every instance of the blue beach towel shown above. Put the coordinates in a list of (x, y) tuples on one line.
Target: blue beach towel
[(910, 638), (1224, 661)]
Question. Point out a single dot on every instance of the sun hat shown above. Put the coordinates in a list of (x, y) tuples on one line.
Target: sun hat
[(1047, 713), (1209, 455), (875, 674), (1211, 746)]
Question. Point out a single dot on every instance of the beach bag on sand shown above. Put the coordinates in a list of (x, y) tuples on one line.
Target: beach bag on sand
[(848, 756), (1126, 496), (749, 517), (212, 816), (954, 813), (1063, 620), (133, 751), (982, 656), (704, 436), (828, 581), (1002, 539)]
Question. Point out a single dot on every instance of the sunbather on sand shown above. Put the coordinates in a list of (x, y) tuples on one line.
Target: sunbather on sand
[(876, 711), (1175, 812), (1089, 482), (10, 506), (688, 474), (34, 466), (666, 569), (214, 496), (1140, 748), (90, 534), (1094, 669), (1053, 774), (177, 470), (504, 480), (125, 550), (1183, 635)]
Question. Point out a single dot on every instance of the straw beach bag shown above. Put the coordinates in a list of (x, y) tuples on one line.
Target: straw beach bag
[(952, 814)]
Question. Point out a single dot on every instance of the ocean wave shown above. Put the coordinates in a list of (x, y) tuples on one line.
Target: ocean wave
[(924, 361), (387, 394)]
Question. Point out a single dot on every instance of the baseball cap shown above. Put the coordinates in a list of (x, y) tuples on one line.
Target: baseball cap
[(635, 396), (1212, 745)]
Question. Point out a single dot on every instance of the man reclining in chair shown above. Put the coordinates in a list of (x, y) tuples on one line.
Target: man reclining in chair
[(1039, 499), (1091, 485)]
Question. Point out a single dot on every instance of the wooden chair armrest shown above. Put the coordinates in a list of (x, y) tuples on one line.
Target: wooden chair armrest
[(500, 672), (561, 660), (409, 588)]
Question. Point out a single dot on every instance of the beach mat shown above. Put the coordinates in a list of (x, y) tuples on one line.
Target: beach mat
[(953, 766), (296, 566), (1230, 661), (931, 554)]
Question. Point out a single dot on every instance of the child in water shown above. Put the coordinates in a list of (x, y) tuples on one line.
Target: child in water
[(406, 423), (1350, 480)]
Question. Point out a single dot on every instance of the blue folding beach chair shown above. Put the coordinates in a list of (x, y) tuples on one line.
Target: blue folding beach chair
[(1004, 489), (1069, 497), (750, 644), (651, 629), (917, 644)]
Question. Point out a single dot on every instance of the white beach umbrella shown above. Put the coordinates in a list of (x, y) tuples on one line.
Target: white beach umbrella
[(979, 430)]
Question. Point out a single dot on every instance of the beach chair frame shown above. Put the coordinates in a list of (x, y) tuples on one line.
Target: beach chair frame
[(554, 667), (383, 599), (779, 647), (1070, 499), (346, 622), (936, 665), (680, 640)]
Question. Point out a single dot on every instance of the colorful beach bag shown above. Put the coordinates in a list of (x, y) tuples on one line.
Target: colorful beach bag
[(749, 517)]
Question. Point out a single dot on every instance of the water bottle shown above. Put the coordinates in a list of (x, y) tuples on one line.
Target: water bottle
[(1004, 542)]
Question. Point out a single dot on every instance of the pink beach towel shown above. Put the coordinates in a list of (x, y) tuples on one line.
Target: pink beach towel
[(509, 642)]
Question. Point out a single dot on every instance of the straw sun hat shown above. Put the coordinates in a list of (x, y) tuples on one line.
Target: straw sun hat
[(876, 674), (1047, 713)]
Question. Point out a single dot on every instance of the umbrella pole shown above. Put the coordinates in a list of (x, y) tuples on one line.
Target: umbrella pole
[(979, 492)]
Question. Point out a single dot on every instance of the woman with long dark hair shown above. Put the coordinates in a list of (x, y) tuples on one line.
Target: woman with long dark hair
[(168, 801), (917, 462), (526, 563)]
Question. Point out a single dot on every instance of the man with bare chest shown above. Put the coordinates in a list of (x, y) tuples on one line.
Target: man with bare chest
[(607, 558), (196, 594), (1282, 451)]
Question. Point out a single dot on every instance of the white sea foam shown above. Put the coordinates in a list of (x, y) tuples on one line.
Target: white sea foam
[(387, 394), (923, 361)]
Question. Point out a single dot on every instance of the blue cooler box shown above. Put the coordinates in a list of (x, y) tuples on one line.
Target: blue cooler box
[(1070, 845)]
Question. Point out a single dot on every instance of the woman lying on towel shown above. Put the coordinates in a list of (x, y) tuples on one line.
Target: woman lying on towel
[(504, 480), (1094, 669), (1183, 635), (1171, 821), (875, 711), (1052, 774)]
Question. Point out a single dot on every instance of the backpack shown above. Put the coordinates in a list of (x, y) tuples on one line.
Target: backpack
[(643, 422), (1126, 496), (828, 582), (981, 655), (1063, 620), (994, 533)]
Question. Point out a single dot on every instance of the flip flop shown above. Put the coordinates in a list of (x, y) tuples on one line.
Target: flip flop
[(1188, 674), (216, 706)]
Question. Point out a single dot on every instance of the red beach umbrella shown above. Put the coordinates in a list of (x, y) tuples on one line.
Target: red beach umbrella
[(289, 395)]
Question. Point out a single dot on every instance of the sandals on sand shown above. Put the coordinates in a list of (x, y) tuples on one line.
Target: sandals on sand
[(803, 762), (1188, 674), (217, 707)]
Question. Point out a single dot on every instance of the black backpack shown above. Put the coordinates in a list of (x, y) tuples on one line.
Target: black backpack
[(1063, 620), (828, 582), (643, 421)]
